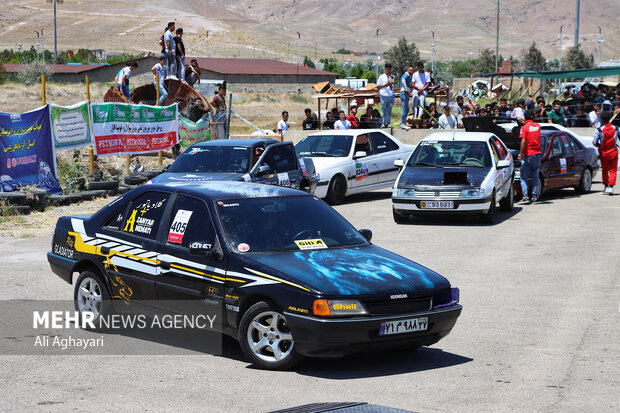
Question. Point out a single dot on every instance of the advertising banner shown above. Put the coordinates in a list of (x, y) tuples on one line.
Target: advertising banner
[(26, 151), (193, 132), (71, 126), (121, 129)]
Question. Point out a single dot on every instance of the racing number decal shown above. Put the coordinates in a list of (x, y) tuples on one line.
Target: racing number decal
[(563, 167), (179, 225), (361, 171), (283, 179)]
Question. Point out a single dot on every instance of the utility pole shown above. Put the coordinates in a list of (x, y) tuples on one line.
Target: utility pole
[(55, 29), (377, 68), (577, 25), (497, 41), (37, 44), (207, 36), (299, 49), (43, 48), (600, 40), (561, 46), (433, 53)]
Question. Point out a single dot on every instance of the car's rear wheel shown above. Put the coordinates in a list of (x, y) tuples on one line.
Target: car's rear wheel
[(507, 203), (489, 216), (337, 190), (91, 295), (398, 218), (266, 339), (586, 182)]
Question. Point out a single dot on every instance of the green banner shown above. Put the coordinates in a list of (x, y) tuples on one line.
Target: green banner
[(114, 112), (193, 132)]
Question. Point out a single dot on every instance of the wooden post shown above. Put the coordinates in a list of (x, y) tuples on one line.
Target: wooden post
[(160, 158), (157, 89), (43, 89), (128, 164), (319, 113), (91, 151)]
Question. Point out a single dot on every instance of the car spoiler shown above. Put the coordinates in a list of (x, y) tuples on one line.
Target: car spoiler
[(487, 124)]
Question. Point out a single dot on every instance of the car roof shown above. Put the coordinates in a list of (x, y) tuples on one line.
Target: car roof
[(459, 136), (237, 142), (347, 132), (214, 190)]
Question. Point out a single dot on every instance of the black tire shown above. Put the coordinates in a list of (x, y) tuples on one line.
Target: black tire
[(585, 184), (19, 209), (74, 198), (39, 200), (265, 355), (104, 306), (149, 174), (135, 179), (106, 185), (158, 171), (337, 190), (88, 195), (58, 200), (507, 203), (13, 198), (123, 189), (398, 218), (490, 215)]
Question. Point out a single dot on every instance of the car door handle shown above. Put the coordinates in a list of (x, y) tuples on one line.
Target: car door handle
[(164, 265)]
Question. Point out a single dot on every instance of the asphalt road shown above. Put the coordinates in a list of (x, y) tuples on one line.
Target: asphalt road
[(540, 328)]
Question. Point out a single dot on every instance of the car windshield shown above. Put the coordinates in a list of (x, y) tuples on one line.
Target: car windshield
[(325, 145), (439, 154), (284, 224), (225, 159)]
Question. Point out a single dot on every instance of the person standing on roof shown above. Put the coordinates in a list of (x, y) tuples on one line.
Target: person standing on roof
[(530, 157), (385, 84), (607, 140), (170, 46), (405, 95), (421, 83), (160, 69), (180, 53), (122, 81)]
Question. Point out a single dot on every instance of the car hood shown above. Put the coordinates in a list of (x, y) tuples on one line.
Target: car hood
[(322, 163), (354, 271), (420, 176), (169, 177)]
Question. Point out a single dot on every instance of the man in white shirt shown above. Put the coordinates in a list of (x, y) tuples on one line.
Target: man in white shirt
[(122, 83), (170, 46), (342, 123), (595, 116), (518, 112), (283, 124), (160, 69), (447, 120), (421, 83), (405, 95), (385, 84)]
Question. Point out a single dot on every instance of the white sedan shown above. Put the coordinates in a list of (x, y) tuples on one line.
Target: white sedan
[(455, 172), (352, 161)]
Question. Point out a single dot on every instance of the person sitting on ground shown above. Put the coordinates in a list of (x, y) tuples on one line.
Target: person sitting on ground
[(309, 123), (376, 119), (329, 123), (352, 118), (193, 73), (431, 111), (447, 120), (342, 123)]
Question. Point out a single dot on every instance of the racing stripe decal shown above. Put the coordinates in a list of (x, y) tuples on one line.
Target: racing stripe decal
[(78, 225), (271, 277)]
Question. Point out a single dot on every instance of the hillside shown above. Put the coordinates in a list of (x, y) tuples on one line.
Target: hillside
[(267, 28)]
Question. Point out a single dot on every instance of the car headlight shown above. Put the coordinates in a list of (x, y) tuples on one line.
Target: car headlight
[(338, 307), (472, 193), (403, 193)]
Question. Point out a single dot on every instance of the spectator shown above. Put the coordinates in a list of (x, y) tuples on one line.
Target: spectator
[(283, 124), (122, 84), (421, 83), (329, 123), (366, 119), (385, 84), (607, 140), (335, 112), (497, 112), (429, 114), (180, 54), (464, 114), (405, 95), (170, 46), (161, 70), (458, 108), (376, 119), (192, 75), (580, 119), (530, 103), (518, 113), (503, 108), (342, 123), (555, 115), (447, 120), (219, 103), (530, 157), (352, 118), (309, 123), (595, 116)]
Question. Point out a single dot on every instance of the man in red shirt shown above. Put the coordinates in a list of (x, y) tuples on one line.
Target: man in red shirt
[(530, 157), (606, 139), (352, 118)]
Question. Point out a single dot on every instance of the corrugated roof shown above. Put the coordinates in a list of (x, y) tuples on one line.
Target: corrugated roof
[(255, 67), (75, 69)]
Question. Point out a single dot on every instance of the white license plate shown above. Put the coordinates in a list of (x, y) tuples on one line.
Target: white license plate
[(403, 326), (437, 204), (517, 174)]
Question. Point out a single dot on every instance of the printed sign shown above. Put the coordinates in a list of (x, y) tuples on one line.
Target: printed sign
[(26, 151), (128, 129), (179, 225), (563, 167), (311, 244), (361, 171), (193, 132), (283, 179), (71, 127)]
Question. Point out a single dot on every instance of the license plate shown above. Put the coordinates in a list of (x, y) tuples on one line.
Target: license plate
[(437, 204), (410, 325), (517, 174)]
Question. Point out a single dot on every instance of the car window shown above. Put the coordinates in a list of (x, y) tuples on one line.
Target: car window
[(362, 144), (190, 222), (451, 153), (280, 158), (494, 150), (556, 147), (544, 143), (145, 214), (213, 159), (502, 151), (115, 222), (574, 144), (325, 145), (567, 149), (382, 143)]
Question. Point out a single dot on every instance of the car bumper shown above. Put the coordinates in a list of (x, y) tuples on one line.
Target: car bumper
[(411, 206), (62, 267), (316, 337), (321, 189)]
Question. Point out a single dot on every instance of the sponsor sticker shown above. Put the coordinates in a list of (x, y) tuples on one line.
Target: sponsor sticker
[(283, 179), (563, 167), (179, 225), (361, 171), (311, 244), (243, 247)]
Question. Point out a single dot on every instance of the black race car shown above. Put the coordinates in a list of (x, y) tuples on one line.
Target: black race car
[(265, 161), (291, 276)]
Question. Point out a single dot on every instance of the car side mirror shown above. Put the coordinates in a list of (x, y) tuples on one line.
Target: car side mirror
[(503, 164), (262, 170), (366, 233), (399, 163), (359, 154)]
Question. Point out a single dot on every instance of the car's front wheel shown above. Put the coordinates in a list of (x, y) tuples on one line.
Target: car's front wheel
[(266, 339), (398, 218), (489, 216), (337, 190), (91, 295), (507, 203)]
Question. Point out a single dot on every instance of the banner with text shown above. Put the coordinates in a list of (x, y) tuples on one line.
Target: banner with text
[(121, 129), (26, 151), (71, 126), (193, 132)]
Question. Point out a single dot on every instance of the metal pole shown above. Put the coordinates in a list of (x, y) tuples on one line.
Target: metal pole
[(55, 36), (207, 43), (299, 49), (497, 41), (599, 45), (43, 46), (433, 53), (577, 24), (377, 68), (561, 46), (91, 151)]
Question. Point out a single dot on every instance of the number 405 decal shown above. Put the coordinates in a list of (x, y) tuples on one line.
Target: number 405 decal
[(179, 225)]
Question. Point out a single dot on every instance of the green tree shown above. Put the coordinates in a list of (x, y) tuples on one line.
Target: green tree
[(357, 71), (461, 68), (2, 73), (370, 75), (575, 58), (308, 62), (485, 63), (534, 59), (332, 66), (403, 55)]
